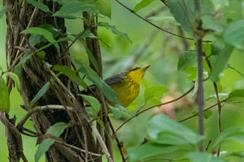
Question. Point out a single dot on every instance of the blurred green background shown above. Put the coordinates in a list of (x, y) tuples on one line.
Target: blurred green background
[(146, 46)]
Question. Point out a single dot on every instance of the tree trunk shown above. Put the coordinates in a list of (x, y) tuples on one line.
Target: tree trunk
[(36, 72)]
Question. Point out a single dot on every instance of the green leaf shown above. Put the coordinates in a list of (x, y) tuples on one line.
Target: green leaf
[(40, 93), (101, 85), (236, 94), (43, 148), (38, 4), (15, 78), (41, 31), (209, 22), (24, 58), (207, 48), (221, 61), (4, 96), (186, 60), (114, 30), (70, 73), (120, 113), (104, 7), (96, 106), (142, 4), (234, 34), (150, 150), (34, 40), (154, 93), (233, 10), (56, 130), (200, 157), (183, 12), (73, 9), (163, 130), (230, 133)]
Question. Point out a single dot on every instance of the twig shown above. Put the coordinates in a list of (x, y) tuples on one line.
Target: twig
[(206, 109), (149, 108), (17, 56), (41, 108), (149, 22), (200, 89), (235, 70), (58, 140), (102, 143), (218, 101), (105, 118), (209, 143), (85, 145), (117, 140)]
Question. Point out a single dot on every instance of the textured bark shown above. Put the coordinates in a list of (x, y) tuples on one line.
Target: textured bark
[(35, 73)]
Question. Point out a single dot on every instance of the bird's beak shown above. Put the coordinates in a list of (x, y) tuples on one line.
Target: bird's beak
[(145, 68)]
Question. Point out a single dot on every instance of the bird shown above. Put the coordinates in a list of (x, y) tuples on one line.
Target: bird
[(126, 85)]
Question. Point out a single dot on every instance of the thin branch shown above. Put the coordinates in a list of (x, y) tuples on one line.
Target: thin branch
[(218, 101), (102, 143), (235, 70), (206, 109), (209, 143), (58, 140), (119, 145), (41, 108), (149, 22), (200, 89), (18, 56), (151, 107)]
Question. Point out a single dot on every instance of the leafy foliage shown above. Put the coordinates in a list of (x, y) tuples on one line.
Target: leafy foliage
[(142, 4), (71, 74), (74, 8), (45, 33), (56, 130), (40, 93), (39, 5), (197, 156), (165, 137), (221, 61), (183, 12), (101, 85), (234, 34), (95, 106)]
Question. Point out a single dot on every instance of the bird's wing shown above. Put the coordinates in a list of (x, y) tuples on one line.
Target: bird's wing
[(118, 78), (110, 81)]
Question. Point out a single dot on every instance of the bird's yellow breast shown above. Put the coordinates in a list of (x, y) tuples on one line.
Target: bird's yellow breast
[(126, 91)]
